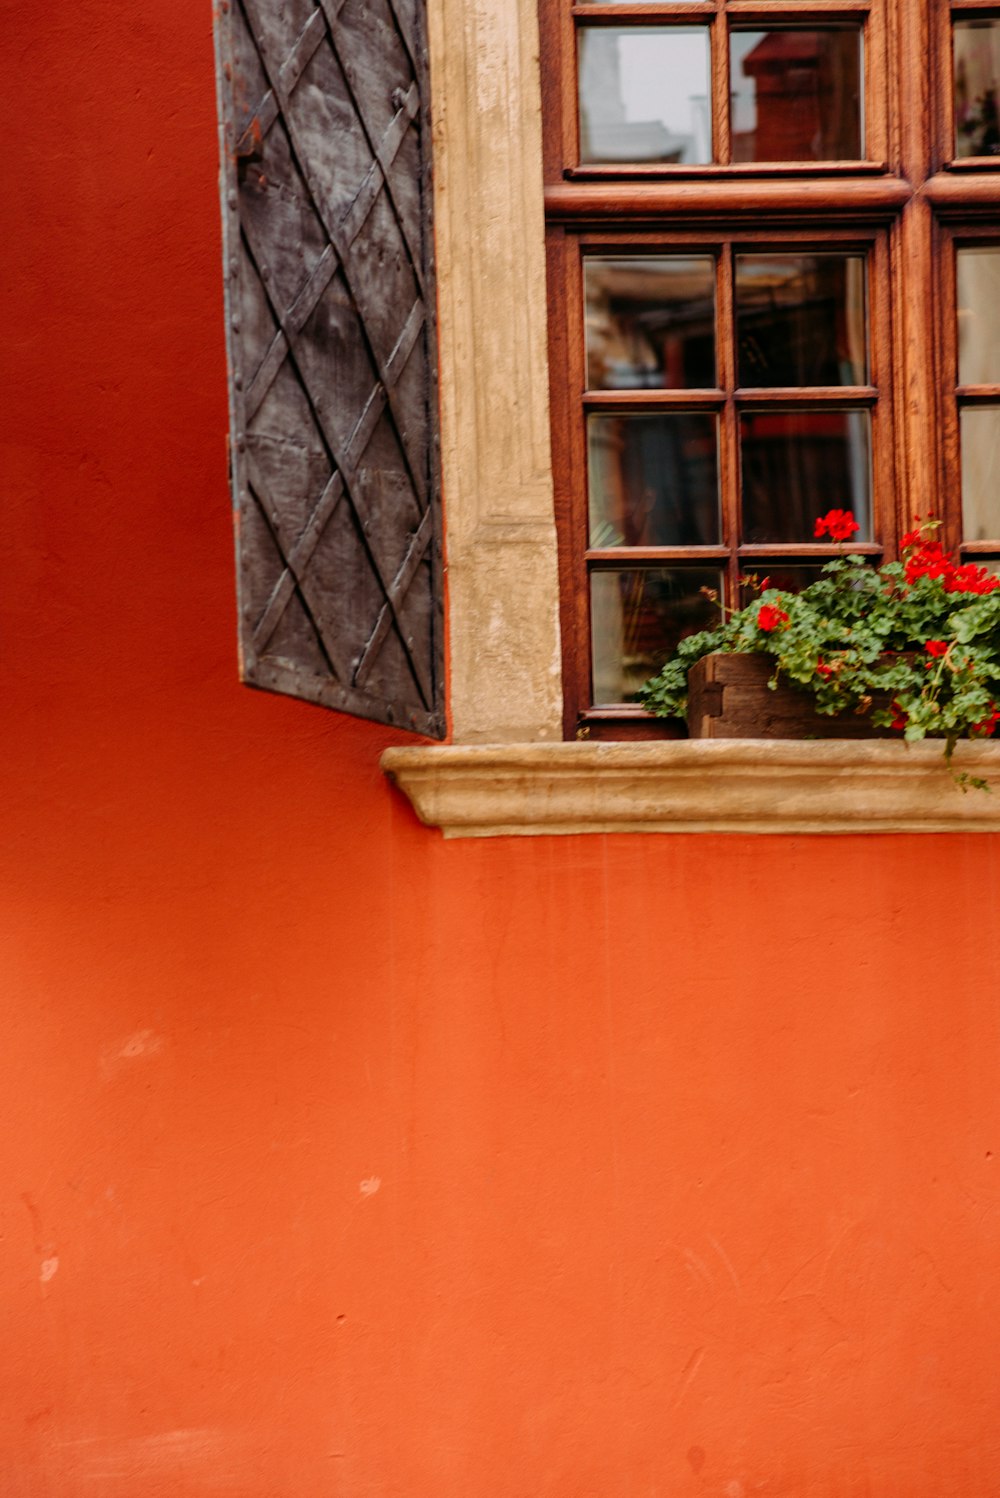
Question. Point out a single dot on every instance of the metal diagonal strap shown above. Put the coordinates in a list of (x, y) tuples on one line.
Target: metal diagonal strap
[(407, 38), (296, 318), (388, 380), (297, 557), (301, 159), (300, 580), (304, 49), (400, 587), (331, 9), (354, 219), (384, 152), (300, 554)]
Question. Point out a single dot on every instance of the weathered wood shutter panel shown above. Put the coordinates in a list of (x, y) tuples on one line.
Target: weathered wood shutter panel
[(330, 306)]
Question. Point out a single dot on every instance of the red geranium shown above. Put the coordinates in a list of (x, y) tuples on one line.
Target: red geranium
[(839, 525), (970, 579), (769, 618), (929, 559), (900, 719), (936, 647)]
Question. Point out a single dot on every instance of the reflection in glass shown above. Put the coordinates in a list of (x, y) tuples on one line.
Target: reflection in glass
[(977, 87), (637, 616), (800, 319), (981, 473), (644, 94), (796, 465), (790, 579), (978, 316), (650, 323), (653, 480), (797, 94)]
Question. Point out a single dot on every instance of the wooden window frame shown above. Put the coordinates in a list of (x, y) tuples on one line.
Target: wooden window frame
[(505, 772), (908, 204), (716, 16), (728, 401), (950, 239)]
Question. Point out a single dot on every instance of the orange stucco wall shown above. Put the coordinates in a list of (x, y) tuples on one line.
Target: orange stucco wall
[(338, 1160)]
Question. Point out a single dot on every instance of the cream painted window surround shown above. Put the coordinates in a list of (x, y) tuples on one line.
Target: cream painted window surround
[(506, 769)]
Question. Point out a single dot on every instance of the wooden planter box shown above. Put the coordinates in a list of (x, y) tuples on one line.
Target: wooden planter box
[(729, 698)]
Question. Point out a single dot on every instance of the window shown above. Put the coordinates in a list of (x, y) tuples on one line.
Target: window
[(773, 238)]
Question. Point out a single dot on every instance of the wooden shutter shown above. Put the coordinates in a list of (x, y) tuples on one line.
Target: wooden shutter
[(330, 305)]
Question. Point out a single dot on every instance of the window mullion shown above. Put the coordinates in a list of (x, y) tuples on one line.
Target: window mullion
[(729, 466), (721, 95)]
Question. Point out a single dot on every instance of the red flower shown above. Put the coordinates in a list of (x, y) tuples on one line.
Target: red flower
[(911, 538), (899, 721), (988, 726), (768, 617), (839, 525), (936, 647), (929, 559), (822, 669), (970, 579)]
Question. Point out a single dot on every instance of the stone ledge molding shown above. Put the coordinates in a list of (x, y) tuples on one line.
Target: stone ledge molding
[(734, 785)]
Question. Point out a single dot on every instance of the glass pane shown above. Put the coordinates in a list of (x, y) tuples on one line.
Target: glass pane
[(790, 578), (979, 317), (800, 320), (797, 95), (644, 94), (981, 473), (977, 88), (654, 480), (637, 616), (796, 465), (650, 323)]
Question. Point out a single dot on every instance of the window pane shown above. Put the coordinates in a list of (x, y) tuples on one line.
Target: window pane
[(981, 473), (796, 465), (977, 96), (637, 616), (790, 578), (650, 323), (654, 480), (979, 317), (800, 320), (797, 95), (644, 94)]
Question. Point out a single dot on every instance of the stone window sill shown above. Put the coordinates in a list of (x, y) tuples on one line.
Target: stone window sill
[(735, 785)]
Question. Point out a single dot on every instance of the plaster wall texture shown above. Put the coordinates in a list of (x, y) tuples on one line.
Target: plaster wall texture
[(336, 1158)]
